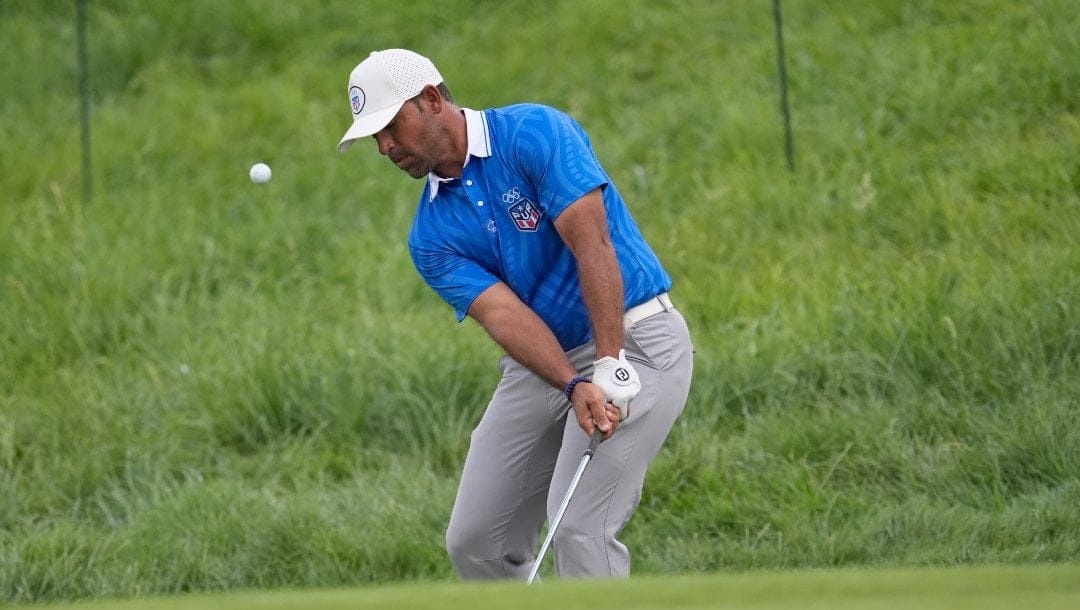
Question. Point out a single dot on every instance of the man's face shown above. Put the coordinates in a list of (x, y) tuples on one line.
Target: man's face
[(412, 140)]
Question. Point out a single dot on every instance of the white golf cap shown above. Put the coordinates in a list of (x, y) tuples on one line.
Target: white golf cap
[(380, 85)]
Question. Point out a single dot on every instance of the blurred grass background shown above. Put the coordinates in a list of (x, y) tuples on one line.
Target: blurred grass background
[(207, 384)]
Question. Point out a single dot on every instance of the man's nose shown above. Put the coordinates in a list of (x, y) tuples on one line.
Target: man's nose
[(386, 144)]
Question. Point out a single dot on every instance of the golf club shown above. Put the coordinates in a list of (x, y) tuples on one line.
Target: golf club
[(597, 436)]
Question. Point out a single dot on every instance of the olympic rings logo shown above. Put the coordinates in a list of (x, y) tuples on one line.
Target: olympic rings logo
[(512, 195)]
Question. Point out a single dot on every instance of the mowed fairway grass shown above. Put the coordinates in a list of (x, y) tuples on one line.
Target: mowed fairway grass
[(986, 588), (209, 386)]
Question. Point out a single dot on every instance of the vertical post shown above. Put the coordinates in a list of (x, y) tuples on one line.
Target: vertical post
[(789, 146), (84, 96)]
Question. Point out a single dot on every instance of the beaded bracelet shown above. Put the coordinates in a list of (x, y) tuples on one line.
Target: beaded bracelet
[(573, 384)]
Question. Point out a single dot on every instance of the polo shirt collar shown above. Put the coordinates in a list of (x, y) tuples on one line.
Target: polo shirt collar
[(479, 145)]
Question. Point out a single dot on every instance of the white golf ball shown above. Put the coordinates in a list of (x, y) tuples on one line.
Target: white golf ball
[(260, 173)]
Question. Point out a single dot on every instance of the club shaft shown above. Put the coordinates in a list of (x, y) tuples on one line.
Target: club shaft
[(562, 508)]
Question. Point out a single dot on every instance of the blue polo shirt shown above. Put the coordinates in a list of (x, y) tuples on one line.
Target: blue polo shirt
[(526, 164)]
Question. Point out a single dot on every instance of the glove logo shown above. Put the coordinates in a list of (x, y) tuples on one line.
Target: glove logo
[(619, 381)]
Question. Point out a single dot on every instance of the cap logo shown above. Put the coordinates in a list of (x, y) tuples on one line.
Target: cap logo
[(357, 98)]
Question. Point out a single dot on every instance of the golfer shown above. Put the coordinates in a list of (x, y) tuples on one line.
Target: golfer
[(521, 229)]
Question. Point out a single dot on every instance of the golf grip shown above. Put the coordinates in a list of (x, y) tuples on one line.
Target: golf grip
[(597, 436)]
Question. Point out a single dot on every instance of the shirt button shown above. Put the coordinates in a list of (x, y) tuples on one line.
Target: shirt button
[(480, 203), (468, 183)]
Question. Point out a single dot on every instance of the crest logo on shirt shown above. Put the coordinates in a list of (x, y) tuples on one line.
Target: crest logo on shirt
[(525, 213)]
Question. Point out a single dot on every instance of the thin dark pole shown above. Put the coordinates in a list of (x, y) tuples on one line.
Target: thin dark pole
[(789, 146), (84, 96)]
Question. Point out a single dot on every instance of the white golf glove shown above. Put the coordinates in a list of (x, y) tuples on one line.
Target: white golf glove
[(618, 380)]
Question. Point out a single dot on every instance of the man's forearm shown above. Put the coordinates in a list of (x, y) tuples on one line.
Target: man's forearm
[(583, 227), (529, 341), (523, 334), (602, 289)]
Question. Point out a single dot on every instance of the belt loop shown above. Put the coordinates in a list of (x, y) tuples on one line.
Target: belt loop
[(665, 301)]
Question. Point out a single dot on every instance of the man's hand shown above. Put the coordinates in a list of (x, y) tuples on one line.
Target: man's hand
[(618, 380), (593, 410)]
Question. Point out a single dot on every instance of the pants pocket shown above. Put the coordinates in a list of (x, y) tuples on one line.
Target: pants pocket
[(653, 340)]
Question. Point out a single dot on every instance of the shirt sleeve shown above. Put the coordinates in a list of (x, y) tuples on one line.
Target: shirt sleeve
[(556, 155), (455, 278)]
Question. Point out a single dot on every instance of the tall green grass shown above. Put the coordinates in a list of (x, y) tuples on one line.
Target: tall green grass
[(207, 384)]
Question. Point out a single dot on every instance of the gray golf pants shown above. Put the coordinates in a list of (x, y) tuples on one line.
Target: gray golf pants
[(525, 450)]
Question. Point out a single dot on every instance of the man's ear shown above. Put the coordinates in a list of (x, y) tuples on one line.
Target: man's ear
[(432, 98)]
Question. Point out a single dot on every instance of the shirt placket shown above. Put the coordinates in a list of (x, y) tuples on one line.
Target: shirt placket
[(485, 211)]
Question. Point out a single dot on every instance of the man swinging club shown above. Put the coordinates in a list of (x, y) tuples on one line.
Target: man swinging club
[(520, 228)]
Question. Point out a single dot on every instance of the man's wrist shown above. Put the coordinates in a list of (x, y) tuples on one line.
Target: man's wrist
[(569, 391)]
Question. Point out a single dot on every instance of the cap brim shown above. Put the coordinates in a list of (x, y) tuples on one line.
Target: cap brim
[(368, 124)]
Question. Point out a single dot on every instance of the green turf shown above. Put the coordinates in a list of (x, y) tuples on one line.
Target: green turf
[(986, 588)]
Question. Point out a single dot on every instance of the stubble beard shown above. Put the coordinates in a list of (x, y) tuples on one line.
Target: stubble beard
[(418, 169)]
